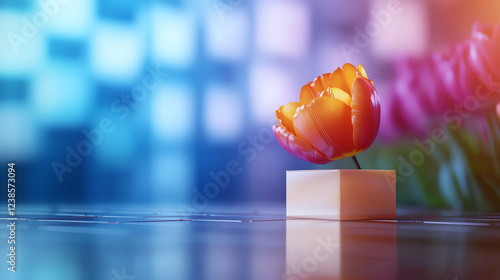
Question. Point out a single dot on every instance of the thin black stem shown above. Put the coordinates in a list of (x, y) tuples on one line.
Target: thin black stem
[(356, 162)]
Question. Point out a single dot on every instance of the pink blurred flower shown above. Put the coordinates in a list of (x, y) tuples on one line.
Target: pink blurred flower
[(484, 53), (425, 89)]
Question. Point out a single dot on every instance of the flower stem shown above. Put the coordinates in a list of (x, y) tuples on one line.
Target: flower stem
[(356, 162)]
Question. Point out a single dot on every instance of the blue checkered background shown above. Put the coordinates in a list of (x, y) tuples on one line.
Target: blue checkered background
[(148, 102)]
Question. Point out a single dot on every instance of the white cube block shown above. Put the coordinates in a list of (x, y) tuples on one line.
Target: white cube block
[(341, 194)]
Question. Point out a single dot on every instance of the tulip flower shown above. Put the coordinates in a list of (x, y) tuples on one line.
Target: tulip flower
[(484, 55), (337, 116), (431, 91)]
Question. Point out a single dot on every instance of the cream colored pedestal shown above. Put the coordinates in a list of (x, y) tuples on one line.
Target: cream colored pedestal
[(341, 194)]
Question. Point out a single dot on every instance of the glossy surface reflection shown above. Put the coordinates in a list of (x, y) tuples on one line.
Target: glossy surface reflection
[(319, 249), (106, 243)]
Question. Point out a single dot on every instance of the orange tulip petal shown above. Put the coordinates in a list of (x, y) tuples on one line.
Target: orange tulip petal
[(341, 95), (319, 84), (361, 71), (350, 73), (326, 77), (307, 94), (298, 147), (285, 115), (337, 80), (326, 124), (365, 113)]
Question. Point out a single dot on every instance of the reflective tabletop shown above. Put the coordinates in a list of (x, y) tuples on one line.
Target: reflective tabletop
[(123, 244)]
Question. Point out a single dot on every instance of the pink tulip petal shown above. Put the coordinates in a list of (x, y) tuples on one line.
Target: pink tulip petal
[(298, 147)]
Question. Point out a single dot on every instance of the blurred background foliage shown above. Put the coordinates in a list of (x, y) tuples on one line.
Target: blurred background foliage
[(462, 173)]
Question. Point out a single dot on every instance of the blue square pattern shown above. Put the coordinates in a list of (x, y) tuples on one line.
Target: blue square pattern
[(13, 90), (16, 4), (119, 10), (66, 48), (112, 55)]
